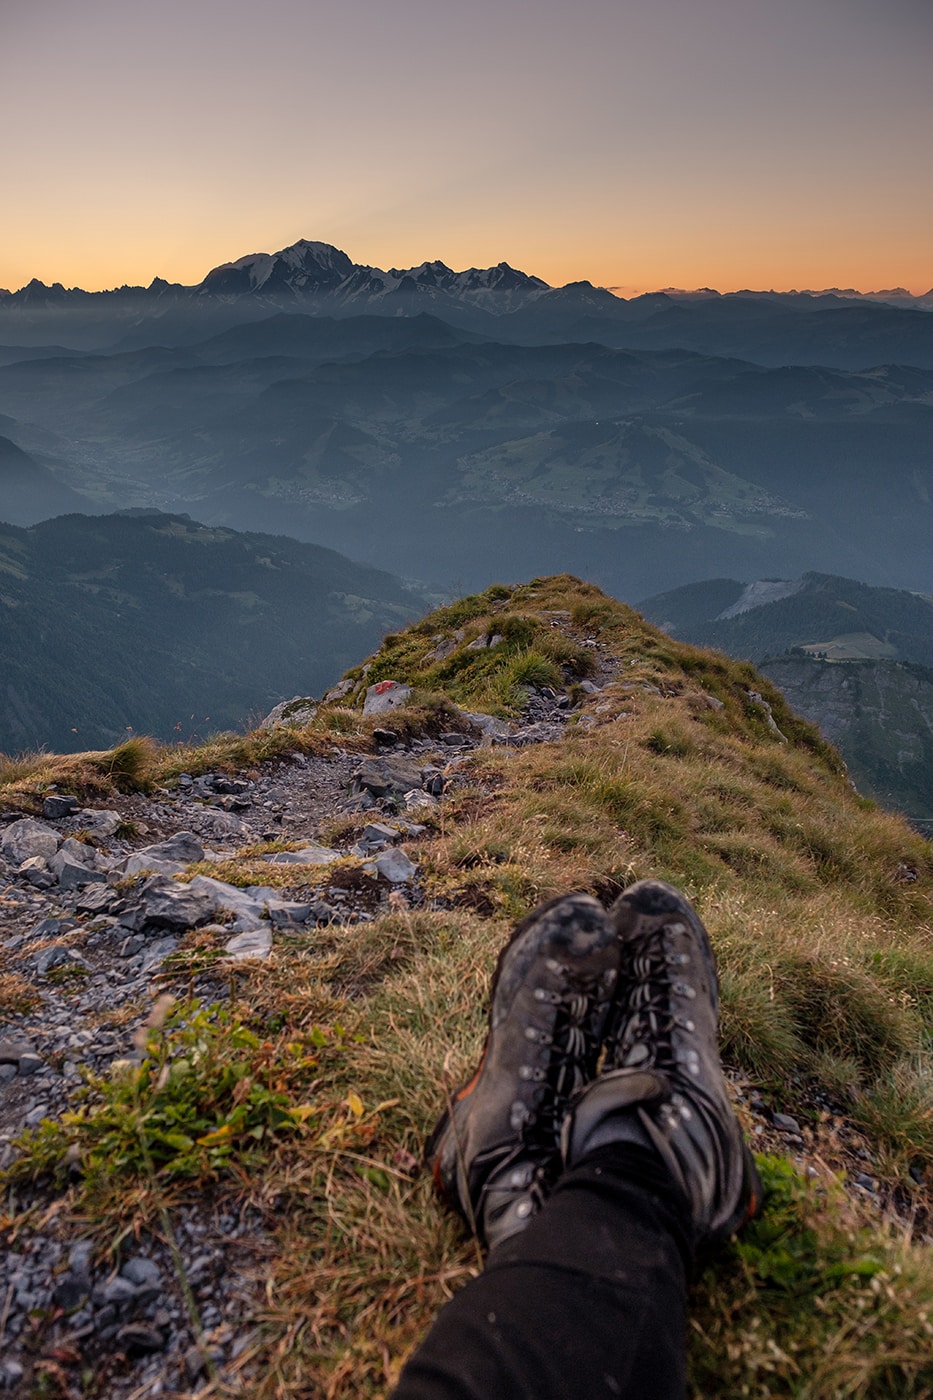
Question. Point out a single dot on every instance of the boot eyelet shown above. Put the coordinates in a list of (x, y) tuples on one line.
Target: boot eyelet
[(520, 1116), (538, 1037), (532, 1073)]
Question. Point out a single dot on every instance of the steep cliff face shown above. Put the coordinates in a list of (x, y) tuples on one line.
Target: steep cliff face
[(878, 713)]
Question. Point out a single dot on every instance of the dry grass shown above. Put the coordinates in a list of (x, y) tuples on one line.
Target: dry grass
[(17, 996), (139, 764), (820, 908), (129, 767)]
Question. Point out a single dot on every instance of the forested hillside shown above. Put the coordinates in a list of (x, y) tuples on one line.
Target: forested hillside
[(152, 623)]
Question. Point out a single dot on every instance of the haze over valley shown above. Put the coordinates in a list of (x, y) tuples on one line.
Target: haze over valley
[(459, 427)]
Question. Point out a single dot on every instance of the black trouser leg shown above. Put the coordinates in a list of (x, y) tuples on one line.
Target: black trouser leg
[(587, 1303)]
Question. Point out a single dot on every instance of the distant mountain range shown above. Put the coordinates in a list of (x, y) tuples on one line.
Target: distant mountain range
[(309, 270), (855, 660), (316, 277), (152, 623), (460, 427), (893, 296), (819, 614)]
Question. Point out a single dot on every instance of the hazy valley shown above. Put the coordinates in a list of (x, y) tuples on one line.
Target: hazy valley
[(458, 427)]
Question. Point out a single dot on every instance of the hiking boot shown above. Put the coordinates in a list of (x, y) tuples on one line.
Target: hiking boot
[(663, 1085), (496, 1149)]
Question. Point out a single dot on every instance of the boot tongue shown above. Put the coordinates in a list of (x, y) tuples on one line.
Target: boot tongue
[(604, 1113)]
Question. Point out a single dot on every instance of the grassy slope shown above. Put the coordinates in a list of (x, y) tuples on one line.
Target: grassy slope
[(820, 910)]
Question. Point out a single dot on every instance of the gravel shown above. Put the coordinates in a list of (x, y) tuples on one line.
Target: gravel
[(90, 948)]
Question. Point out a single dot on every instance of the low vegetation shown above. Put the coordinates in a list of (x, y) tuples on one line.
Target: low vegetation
[(310, 1095)]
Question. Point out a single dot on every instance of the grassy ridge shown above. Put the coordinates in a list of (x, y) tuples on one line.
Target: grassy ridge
[(820, 910)]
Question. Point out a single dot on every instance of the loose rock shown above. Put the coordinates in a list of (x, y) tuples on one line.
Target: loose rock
[(382, 777), (254, 943), (395, 866), (28, 837), (385, 695)]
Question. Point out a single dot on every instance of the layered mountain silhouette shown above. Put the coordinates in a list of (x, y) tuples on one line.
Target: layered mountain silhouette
[(154, 623), (462, 426), (437, 453)]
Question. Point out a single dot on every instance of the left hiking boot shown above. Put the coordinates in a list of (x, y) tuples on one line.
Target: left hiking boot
[(495, 1150), (662, 1085)]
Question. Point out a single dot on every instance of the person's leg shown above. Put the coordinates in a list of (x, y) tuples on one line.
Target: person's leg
[(587, 1303), (585, 1297)]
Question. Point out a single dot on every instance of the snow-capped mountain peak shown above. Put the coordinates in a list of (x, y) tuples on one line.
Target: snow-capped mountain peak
[(312, 270), (304, 266)]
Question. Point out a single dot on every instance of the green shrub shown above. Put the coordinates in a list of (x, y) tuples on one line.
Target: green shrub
[(207, 1094)]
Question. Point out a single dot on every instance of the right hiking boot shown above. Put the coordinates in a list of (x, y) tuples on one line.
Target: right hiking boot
[(663, 1085), (496, 1149)]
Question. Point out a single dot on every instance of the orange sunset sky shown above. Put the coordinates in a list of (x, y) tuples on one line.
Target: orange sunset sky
[(726, 143)]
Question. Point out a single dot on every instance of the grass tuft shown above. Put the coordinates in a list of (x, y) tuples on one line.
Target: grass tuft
[(310, 1095)]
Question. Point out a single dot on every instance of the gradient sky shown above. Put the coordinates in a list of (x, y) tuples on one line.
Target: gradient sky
[(637, 143)]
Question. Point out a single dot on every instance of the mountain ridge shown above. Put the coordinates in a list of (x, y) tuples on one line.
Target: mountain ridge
[(311, 265), (229, 623), (373, 864)]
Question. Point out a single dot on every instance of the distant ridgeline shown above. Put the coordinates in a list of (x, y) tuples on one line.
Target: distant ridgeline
[(481, 424), (856, 660), (151, 623)]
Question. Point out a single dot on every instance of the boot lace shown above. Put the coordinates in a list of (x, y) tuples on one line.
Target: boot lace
[(572, 1052), (648, 1018)]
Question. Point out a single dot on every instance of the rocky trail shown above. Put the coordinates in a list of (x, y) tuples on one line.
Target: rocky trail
[(92, 917)]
